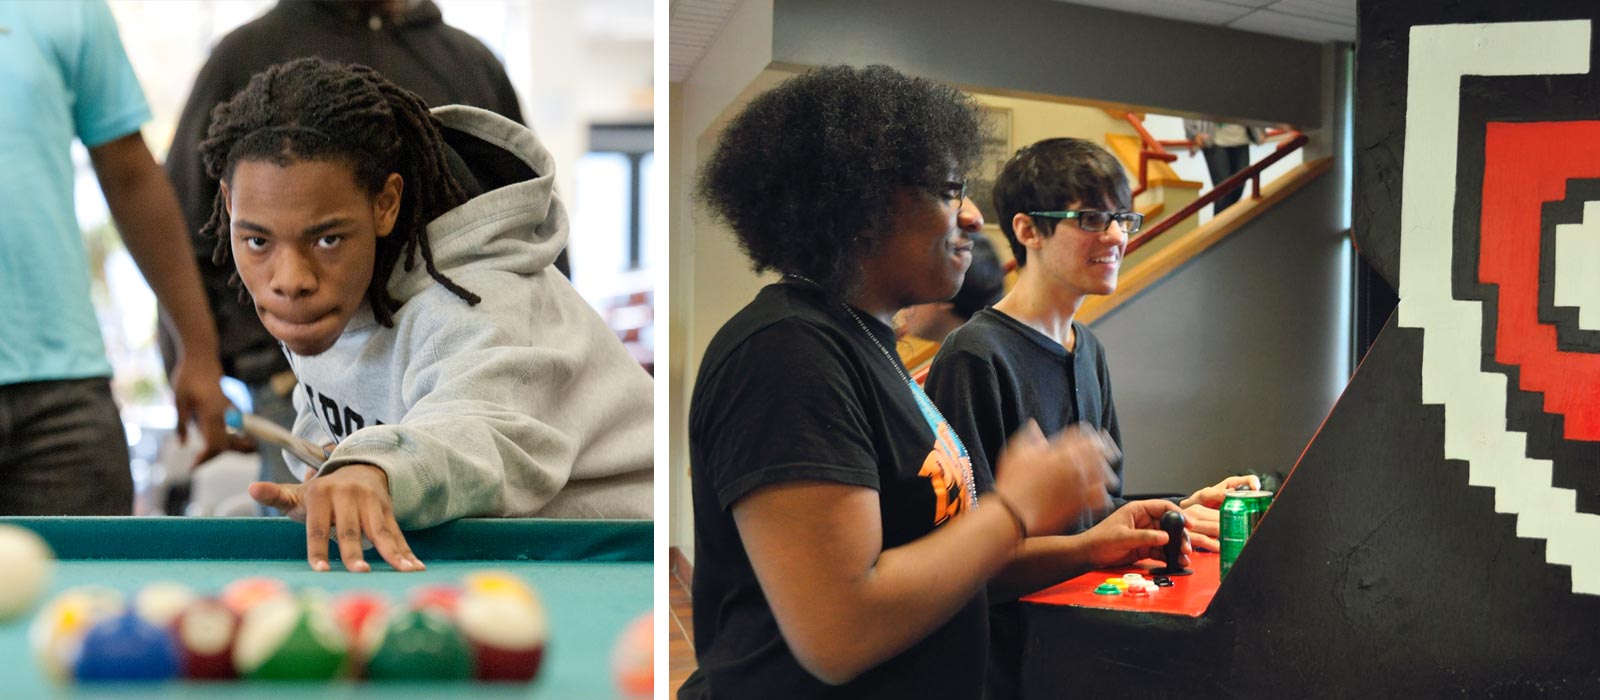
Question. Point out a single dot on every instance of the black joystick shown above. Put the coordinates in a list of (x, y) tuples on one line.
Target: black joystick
[(1173, 523)]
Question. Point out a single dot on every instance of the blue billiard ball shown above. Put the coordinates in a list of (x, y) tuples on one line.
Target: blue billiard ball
[(127, 648)]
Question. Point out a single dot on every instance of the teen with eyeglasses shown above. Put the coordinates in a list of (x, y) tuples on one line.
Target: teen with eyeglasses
[(1064, 205), (842, 543)]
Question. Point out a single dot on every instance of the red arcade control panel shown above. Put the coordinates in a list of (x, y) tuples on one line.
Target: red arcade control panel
[(1188, 595)]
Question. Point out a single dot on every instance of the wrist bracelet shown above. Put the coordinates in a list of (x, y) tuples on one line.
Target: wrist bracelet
[(1012, 511)]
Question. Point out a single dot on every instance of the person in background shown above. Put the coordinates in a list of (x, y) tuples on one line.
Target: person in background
[(64, 75), (1227, 151), (922, 327), (842, 540), (1065, 205), (405, 40)]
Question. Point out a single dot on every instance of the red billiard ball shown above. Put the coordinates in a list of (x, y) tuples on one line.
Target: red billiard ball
[(355, 610), (633, 658), (507, 634), (205, 632), (246, 593), (442, 597)]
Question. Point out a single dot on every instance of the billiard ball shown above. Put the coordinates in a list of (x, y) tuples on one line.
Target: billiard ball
[(497, 583), (290, 638), (205, 632), (126, 648), (246, 593), (633, 658), (57, 632), (160, 603), (417, 645), (355, 610), (442, 597), (27, 562), (507, 634)]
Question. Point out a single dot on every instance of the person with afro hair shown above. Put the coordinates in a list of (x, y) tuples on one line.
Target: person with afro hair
[(842, 542), (403, 258)]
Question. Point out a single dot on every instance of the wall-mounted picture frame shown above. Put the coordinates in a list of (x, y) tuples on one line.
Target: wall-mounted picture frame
[(996, 151)]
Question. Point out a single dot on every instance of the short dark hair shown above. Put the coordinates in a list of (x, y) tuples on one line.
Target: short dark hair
[(985, 282), (804, 173), (1049, 175), (310, 109)]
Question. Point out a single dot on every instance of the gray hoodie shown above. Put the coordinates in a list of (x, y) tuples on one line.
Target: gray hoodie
[(525, 404)]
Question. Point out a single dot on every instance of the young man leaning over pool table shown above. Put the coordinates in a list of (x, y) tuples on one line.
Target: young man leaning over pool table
[(403, 258)]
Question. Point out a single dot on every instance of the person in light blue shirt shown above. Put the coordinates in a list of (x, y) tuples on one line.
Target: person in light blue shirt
[(64, 75)]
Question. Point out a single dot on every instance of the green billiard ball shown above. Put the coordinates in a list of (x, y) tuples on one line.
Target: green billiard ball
[(290, 639), (420, 645)]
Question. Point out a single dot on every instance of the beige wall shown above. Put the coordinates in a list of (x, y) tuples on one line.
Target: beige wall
[(710, 279), (1036, 119)]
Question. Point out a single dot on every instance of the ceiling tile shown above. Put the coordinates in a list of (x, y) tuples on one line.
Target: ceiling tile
[(1201, 11), (694, 24), (1280, 24), (1335, 11)]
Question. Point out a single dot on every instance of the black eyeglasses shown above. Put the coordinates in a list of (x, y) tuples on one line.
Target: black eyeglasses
[(1096, 220)]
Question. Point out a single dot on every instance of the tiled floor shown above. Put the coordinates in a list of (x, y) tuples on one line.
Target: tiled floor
[(680, 639)]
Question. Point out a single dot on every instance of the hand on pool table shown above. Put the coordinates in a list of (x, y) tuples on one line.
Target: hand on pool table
[(348, 502), (1131, 533), (1201, 509)]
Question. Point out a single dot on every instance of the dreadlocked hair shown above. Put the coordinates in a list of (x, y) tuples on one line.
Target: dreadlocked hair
[(310, 109)]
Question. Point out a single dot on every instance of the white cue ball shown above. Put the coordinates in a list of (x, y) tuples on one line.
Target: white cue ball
[(27, 562)]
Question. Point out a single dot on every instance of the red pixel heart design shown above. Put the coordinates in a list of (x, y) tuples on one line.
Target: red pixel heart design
[(1525, 166)]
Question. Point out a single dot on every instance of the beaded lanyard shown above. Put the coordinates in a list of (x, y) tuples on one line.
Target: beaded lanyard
[(971, 490)]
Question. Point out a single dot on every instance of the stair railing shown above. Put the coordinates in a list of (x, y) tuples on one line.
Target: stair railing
[(1251, 174)]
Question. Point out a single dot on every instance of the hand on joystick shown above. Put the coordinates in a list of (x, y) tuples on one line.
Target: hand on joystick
[(1173, 522)]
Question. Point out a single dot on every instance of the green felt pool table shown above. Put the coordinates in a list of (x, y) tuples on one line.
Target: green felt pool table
[(594, 578)]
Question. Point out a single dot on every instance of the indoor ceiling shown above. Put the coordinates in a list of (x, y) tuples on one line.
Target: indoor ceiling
[(694, 23), (1309, 20)]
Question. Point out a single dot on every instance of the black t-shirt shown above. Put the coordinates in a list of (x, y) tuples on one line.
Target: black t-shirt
[(994, 373), (791, 389), (991, 375)]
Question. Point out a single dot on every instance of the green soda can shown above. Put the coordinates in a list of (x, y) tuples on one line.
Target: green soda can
[(1241, 511)]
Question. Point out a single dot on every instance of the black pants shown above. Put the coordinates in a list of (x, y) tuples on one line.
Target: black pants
[(1223, 162), (63, 450)]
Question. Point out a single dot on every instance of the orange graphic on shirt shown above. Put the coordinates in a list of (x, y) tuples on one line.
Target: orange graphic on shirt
[(946, 468)]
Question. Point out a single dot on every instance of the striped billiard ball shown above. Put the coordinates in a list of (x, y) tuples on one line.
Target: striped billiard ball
[(290, 638), (57, 632), (507, 634), (205, 632)]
